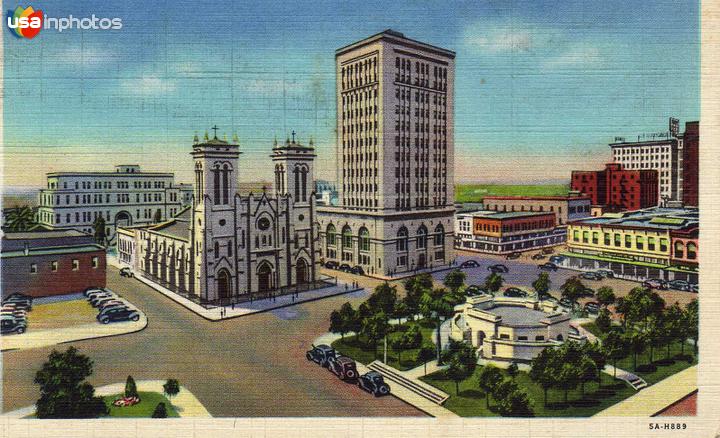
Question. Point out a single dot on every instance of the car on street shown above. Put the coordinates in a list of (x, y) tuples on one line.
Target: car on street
[(321, 354), (357, 270), (343, 367), (96, 292), (606, 273), (118, 314), (126, 272), (374, 383), (546, 297), (345, 268), (591, 276), (513, 256), (11, 324), (469, 264), (567, 303), (473, 290), (679, 285), (498, 268), (98, 301), (548, 251), (538, 256), (556, 259), (654, 283), (514, 292), (587, 293), (592, 307), (331, 264), (548, 266), (695, 288)]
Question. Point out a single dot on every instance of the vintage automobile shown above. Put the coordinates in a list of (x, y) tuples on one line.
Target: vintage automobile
[(321, 354), (548, 266), (654, 283), (357, 270), (469, 264), (513, 256), (374, 383), (538, 256), (126, 272), (592, 307), (473, 290), (556, 259), (606, 273), (515, 293), (331, 264), (118, 314), (591, 276), (548, 251), (343, 367), (11, 324), (498, 268)]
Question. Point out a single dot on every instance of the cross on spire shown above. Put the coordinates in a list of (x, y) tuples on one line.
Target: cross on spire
[(293, 134), (215, 128)]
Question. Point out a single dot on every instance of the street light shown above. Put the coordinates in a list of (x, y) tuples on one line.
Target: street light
[(436, 316)]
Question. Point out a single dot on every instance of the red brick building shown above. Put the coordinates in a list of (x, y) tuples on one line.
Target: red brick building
[(690, 164), (618, 187), (51, 263)]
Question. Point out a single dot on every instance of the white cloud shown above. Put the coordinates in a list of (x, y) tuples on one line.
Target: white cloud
[(87, 57), (517, 37), (575, 57), (148, 86)]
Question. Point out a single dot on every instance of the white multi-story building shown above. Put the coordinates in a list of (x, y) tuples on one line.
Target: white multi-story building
[(663, 155), (128, 196), (394, 157)]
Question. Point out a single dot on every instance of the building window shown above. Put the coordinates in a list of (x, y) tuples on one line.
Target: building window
[(33, 268), (651, 244), (628, 241), (402, 243), (595, 236), (691, 251), (75, 264), (679, 250), (539, 338), (54, 266), (639, 243), (663, 245), (576, 235), (364, 240), (606, 237), (422, 237), (586, 235), (617, 239)]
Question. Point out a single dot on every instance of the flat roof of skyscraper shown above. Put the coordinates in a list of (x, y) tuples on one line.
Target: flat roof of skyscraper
[(395, 37)]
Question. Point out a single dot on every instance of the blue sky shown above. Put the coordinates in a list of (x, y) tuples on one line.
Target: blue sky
[(541, 87)]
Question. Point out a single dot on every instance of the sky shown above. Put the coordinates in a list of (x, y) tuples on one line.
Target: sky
[(541, 86)]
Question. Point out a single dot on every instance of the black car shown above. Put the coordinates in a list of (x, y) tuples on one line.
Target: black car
[(548, 251), (98, 301), (374, 383), (591, 276), (19, 300), (565, 302), (118, 314), (343, 367), (548, 297), (514, 292), (18, 305), (331, 265), (538, 256), (469, 264), (357, 270), (606, 273), (556, 259), (345, 268), (587, 292), (548, 266), (679, 285), (11, 324), (94, 290), (18, 296), (321, 354), (592, 307), (473, 290), (653, 283), (513, 256), (126, 272), (498, 268)]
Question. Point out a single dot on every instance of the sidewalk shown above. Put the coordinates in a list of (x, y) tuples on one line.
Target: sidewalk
[(655, 398), (257, 306), (185, 403), (44, 338)]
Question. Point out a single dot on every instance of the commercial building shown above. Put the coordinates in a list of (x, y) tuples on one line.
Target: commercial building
[(229, 248), (637, 245), (510, 329), (47, 263), (127, 196), (618, 187), (394, 157), (505, 232), (690, 164), (566, 208), (326, 192)]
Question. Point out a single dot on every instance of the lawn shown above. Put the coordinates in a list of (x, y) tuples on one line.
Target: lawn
[(663, 367), (476, 192), (144, 409), (352, 347), (471, 400), (61, 314)]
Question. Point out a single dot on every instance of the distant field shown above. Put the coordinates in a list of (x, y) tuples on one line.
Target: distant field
[(476, 192)]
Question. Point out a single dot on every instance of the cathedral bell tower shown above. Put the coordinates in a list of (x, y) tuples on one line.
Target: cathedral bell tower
[(215, 170), (294, 170)]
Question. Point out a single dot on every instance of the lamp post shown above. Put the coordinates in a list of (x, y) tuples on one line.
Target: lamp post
[(436, 316)]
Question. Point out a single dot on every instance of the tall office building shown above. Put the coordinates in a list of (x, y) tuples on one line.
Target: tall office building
[(394, 157)]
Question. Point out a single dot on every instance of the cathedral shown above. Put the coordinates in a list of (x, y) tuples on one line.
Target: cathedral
[(227, 247)]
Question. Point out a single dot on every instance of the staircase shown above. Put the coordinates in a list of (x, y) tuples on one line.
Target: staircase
[(417, 387), (636, 382)]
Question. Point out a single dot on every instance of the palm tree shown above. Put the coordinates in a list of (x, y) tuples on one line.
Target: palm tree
[(434, 306)]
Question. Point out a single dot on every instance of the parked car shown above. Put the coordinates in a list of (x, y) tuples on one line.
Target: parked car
[(679, 285), (695, 288), (498, 268), (654, 283), (98, 301), (14, 311), (546, 297), (126, 272), (548, 266), (11, 324), (374, 383), (606, 273), (548, 251), (332, 264), (18, 297), (567, 303), (538, 256), (16, 305), (343, 367), (345, 268), (118, 314), (469, 264), (109, 303), (321, 354), (94, 290), (513, 256), (473, 289), (19, 300), (357, 270), (587, 293), (97, 292), (591, 276), (515, 292), (592, 307), (556, 259)]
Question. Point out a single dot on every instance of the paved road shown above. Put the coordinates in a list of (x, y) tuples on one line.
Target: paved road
[(249, 366)]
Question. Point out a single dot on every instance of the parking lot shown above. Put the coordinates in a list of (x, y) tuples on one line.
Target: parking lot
[(60, 314)]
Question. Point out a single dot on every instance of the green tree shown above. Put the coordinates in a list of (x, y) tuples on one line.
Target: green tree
[(493, 282), (401, 311), (20, 219), (488, 378), (337, 324), (503, 389), (376, 328), (411, 338), (171, 388), (415, 287), (64, 393), (455, 280), (383, 299), (512, 370), (99, 230), (598, 355), (434, 307), (636, 342), (457, 371), (640, 305), (674, 326), (425, 354), (605, 296), (691, 322), (542, 284), (568, 378), (617, 348), (130, 387), (587, 372), (349, 318), (603, 321), (516, 404), (543, 370), (160, 411), (572, 289)]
